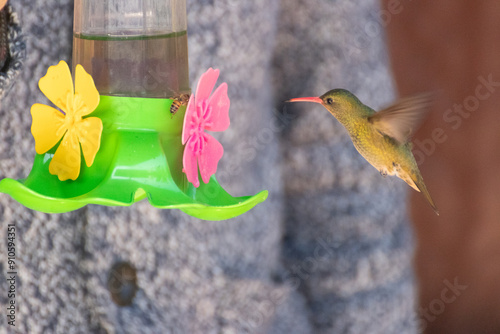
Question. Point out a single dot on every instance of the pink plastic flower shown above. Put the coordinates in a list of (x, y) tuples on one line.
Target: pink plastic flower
[(204, 112)]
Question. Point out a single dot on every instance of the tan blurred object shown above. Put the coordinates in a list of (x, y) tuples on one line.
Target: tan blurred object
[(452, 47), (2, 3)]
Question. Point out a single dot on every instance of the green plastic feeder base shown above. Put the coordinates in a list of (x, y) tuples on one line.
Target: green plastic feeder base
[(140, 156)]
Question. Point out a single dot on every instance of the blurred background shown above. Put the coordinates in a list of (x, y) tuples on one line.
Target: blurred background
[(452, 47), (336, 248)]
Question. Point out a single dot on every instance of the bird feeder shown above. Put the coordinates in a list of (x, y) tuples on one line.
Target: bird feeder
[(123, 125)]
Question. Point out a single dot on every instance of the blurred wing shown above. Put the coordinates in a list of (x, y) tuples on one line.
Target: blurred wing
[(400, 120)]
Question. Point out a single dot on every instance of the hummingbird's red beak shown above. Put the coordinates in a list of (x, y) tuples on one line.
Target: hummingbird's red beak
[(306, 99)]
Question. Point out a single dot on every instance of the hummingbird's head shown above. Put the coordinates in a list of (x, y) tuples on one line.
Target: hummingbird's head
[(337, 101)]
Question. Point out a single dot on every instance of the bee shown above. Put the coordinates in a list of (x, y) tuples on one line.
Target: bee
[(178, 101)]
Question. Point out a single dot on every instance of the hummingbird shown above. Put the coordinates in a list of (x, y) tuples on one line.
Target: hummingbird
[(383, 137)]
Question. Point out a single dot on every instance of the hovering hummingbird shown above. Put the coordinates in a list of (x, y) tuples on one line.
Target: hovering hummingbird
[(382, 138)]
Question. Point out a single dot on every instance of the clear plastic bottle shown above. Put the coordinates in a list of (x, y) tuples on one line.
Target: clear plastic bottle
[(133, 48)]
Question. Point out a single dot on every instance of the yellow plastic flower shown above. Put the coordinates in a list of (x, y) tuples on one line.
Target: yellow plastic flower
[(50, 125)]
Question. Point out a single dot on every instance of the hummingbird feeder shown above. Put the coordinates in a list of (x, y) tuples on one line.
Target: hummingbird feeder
[(123, 127)]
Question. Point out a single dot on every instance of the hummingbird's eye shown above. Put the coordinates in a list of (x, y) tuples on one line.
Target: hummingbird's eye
[(329, 100)]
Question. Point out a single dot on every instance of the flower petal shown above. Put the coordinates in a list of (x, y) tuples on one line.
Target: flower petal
[(219, 101), (67, 159), (190, 165), (57, 85), (188, 126), (206, 84), (86, 91), (89, 132), (47, 127), (208, 161)]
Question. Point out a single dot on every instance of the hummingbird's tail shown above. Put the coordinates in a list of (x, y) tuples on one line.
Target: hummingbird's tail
[(419, 185)]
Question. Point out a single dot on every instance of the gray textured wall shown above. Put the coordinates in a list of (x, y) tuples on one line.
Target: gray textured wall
[(329, 251)]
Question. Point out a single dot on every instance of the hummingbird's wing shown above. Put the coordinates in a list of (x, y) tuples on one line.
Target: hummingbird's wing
[(400, 120)]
